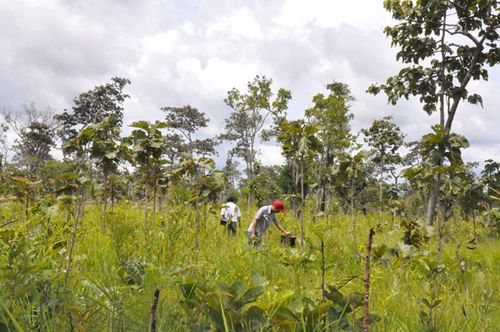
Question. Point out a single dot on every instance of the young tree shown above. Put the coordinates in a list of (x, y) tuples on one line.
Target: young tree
[(350, 179), (147, 143), (445, 44), (101, 143), (250, 112), (385, 138), (300, 145), (331, 114)]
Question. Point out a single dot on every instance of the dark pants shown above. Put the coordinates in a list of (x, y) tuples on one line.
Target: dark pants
[(231, 228)]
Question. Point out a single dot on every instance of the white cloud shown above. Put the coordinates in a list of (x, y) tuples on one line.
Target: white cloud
[(271, 155), (177, 53), (240, 24), (328, 13)]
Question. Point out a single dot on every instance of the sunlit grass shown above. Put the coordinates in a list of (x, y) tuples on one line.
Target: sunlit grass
[(100, 297)]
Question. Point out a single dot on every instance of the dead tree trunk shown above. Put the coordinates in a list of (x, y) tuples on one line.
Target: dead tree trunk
[(366, 317), (154, 306)]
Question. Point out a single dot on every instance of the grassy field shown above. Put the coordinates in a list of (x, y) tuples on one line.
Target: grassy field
[(227, 285)]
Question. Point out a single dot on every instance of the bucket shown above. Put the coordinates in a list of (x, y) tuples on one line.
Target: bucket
[(288, 240)]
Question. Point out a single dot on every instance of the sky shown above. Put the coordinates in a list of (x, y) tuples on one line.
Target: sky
[(180, 52)]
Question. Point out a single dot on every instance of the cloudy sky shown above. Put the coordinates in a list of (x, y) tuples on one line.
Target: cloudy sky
[(178, 52)]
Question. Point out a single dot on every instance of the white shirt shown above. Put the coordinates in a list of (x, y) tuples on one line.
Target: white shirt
[(230, 212)]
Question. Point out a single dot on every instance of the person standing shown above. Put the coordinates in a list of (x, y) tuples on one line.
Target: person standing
[(264, 217), (230, 215)]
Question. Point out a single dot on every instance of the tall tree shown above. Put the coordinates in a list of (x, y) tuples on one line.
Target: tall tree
[(231, 172), (445, 44), (248, 118), (331, 114), (3, 145), (491, 180), (385, 138), (94, 106), (35, 130), (187, 121), (34, 145)]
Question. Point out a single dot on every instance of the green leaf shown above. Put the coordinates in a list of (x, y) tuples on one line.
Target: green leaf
[(141, 125), (259, 280), (334, 295), (252, 294), (355, 299)]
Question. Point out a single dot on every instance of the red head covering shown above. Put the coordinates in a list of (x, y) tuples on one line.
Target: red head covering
[(278, 205)]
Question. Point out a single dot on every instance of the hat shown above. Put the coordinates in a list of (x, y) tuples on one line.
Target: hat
[(278, 205)]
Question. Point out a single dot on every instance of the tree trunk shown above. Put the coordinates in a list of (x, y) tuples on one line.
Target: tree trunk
[(112, 199), (353, 221), (155, 186), (366, 316), (105, 200), (440, 233), (197, 217), (457, 242), (154, 306), (474, 225), (433, 199), (146, 200), (302, 202), (250, 178), (323, 269), (380, 193), (323, 198), (26, 206), (73, 238)]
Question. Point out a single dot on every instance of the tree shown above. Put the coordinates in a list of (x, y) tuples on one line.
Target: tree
[(93, 107), (350, 179), (34, 145), (101, 143), (331, 114), (208, 181), (3, 145), (147, 143), (385, 138), (491, 180), (250, 112), (35, 130), (299, 145), (187, 121), (231, 172), (444, 44)]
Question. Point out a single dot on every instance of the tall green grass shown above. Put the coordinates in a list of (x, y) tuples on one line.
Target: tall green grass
[(114, 273)]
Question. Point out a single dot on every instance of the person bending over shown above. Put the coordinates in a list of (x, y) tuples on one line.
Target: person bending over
[(264, 217)]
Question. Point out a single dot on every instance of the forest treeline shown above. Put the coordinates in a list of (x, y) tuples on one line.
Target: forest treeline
[(325, 160)]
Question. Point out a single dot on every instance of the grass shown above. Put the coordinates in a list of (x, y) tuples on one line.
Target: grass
[(114, 274)]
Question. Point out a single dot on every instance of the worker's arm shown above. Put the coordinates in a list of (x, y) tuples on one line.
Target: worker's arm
[(282, 230), (254, 227)]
